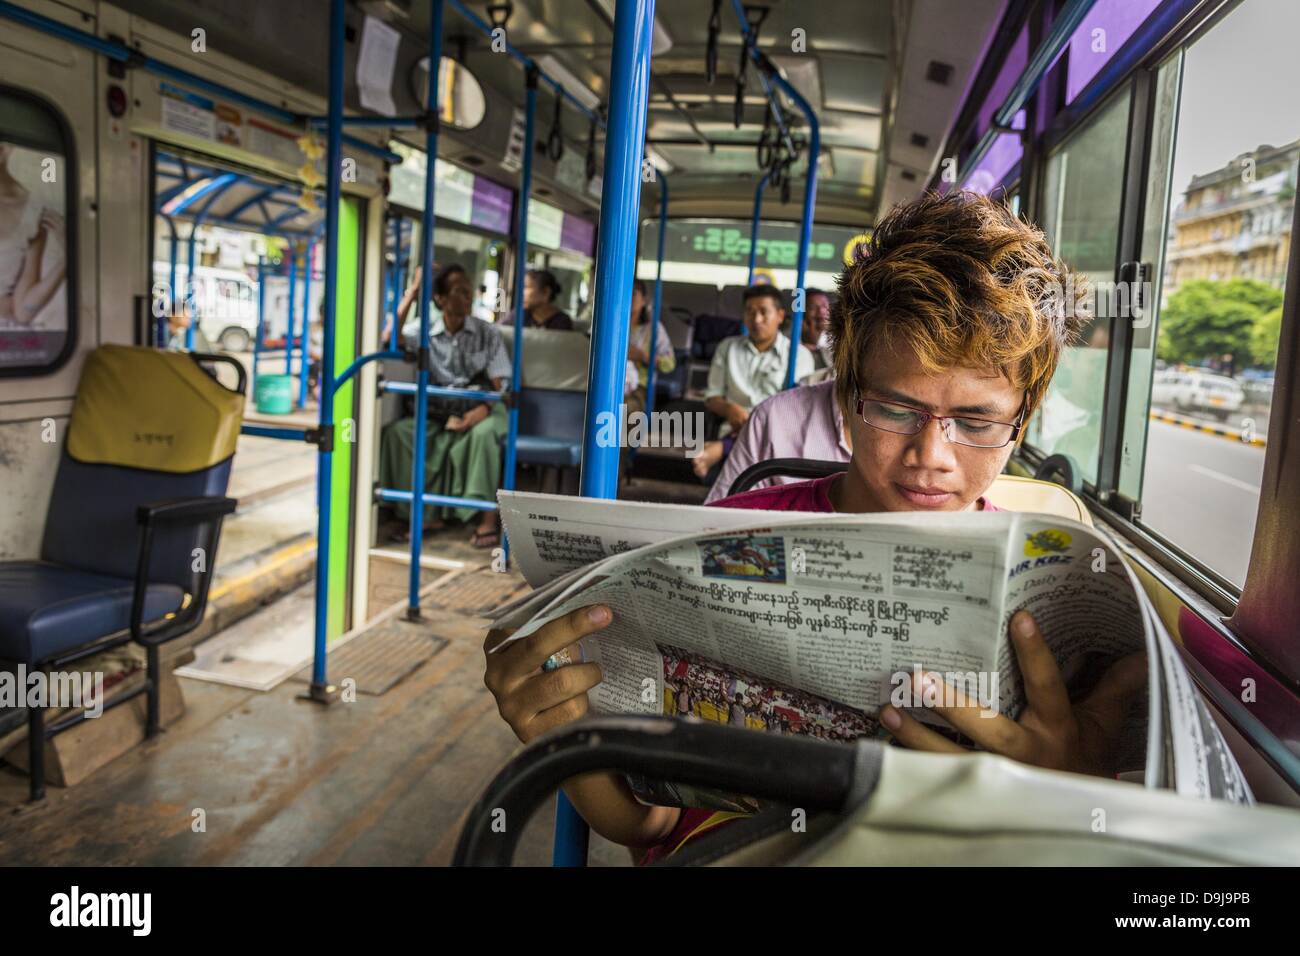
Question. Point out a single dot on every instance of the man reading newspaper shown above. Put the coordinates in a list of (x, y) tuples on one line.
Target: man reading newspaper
[(950, 325)]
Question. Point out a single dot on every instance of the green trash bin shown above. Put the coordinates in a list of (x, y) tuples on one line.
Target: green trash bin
[(274, 395)]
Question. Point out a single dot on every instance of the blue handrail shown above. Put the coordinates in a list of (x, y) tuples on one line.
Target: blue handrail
[(615, 269), (305, 361), (1063, 26), (386, 355), (426, 288), (260, 330), (753, 229), (441, 391), (124, 54), (659, 294), (527, 62), (521, 265), (325, 455), (810, 187)]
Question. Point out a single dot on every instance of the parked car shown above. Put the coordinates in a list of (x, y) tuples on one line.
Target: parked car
[(1196, 391), (226, 302)]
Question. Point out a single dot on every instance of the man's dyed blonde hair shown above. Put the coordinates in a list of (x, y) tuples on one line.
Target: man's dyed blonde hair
[(960, 281)]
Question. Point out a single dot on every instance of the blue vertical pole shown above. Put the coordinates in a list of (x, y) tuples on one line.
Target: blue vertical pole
[(521, 246), (306, 323), (325, 456), (164, 329), (261, 317), (753, 229), (399, 285), (805, 228), (395, 284), (426, 288), (659, 295), (189, 289), (293, 296), (615, 268)]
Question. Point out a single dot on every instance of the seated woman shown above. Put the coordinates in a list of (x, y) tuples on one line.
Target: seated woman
[(638, 347), (463, 436), (946, 337), (541, 289)]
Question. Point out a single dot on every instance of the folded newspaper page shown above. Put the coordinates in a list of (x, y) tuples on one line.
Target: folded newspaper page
[(809, 623)]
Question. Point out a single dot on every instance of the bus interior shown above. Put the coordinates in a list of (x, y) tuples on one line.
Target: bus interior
[(214, 358)]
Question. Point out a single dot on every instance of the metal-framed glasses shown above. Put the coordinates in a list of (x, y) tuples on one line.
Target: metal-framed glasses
[(903, 419)]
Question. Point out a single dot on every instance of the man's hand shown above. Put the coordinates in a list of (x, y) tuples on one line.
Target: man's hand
[(737, 416), (1052, 732), (463, 423), (638, 354), (532, 700)]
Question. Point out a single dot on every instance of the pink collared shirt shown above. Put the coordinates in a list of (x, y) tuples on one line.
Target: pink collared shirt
[(803, 422)]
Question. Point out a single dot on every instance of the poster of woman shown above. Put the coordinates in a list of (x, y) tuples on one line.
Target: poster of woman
[(33, 256)]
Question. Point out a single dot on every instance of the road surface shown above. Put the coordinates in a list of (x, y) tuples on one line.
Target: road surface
[(1202, 492)]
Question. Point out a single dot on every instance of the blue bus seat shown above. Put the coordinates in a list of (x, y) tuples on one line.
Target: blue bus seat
[(133, 523), (709, 331), (550, 427), (671, 387)]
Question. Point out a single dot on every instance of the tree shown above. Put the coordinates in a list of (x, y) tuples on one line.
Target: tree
[(1264, 338), (1207, 319)]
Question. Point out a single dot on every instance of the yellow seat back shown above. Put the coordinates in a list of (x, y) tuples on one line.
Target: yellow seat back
[(1013, 493)]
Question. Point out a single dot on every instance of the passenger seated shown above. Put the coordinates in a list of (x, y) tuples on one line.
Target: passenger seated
[(946, 337), (804, 422), (638, 346), (463, 437), (541, 289), (747, 369), (816, 327)]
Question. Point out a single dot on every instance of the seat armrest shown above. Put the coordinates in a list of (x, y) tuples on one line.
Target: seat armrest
[(206, 511), (188, 510)]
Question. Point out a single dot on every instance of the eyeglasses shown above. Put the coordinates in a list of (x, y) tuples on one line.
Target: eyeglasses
[(908, 420)]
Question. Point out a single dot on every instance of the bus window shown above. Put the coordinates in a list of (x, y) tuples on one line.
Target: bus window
[(37, 193), (1081, 208), (1218, 229), (479, 255)]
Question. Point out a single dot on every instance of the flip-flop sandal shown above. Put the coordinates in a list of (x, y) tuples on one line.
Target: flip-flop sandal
[(486, 539)]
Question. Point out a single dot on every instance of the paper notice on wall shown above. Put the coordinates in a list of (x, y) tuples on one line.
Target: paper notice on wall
[(184, 112), (375, 65), (513, 160)]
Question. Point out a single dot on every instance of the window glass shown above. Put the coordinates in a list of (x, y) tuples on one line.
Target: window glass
[(482, 258), (1220, 236), (573, 272), (36, 191), (1081, 207)]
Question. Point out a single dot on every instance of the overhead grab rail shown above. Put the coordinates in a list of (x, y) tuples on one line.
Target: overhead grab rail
[(1063, 27), (768, 72), (121, 53), (527, 62)]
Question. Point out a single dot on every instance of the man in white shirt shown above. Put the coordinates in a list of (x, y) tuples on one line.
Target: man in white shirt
[(748, 369)]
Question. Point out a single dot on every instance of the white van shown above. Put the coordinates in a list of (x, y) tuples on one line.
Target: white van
[(1197, 391), (225, 299)]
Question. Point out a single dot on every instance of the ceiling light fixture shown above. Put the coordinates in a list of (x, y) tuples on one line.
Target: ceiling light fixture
[(556, 70)]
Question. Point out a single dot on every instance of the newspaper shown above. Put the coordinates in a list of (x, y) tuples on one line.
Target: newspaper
[(809, 623)]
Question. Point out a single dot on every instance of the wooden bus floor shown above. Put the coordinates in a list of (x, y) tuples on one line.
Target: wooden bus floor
[(385, 780)]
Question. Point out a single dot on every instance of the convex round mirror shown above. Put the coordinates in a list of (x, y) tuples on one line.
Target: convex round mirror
[(463, 105)]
